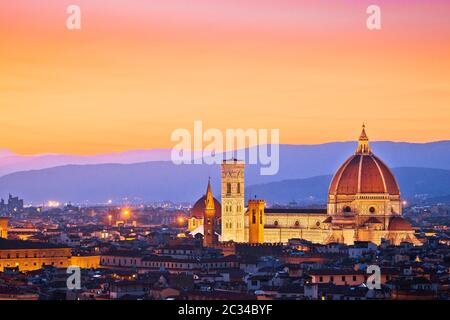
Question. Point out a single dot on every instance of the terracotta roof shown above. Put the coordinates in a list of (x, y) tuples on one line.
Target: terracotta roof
[(328, 220), (6, 244), (399, 224), (198, 210), (363, 173)]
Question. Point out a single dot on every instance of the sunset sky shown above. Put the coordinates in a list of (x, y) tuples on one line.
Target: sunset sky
[(137, 70)]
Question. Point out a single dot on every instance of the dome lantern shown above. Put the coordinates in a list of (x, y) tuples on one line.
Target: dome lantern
[(363, 143)]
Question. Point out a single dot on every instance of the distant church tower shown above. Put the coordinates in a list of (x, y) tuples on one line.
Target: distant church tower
[(233, 200), (209, 218)]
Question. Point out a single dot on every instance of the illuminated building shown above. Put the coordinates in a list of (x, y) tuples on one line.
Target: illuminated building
[(209, 237), (233, 211), (3, 227), (118, 218), (197, 213), (28, 255), (256, 221), (364, 204)]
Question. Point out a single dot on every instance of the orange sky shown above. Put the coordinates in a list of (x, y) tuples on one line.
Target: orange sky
[(133, 74)]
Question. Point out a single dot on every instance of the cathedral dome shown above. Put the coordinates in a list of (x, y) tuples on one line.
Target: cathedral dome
[(198, 210), (399, 224), (363, 172)]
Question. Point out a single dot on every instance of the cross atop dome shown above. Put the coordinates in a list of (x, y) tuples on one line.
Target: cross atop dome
[(363, 142)]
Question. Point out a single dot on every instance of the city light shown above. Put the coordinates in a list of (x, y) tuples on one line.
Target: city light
[(126, 213), (53, 204)]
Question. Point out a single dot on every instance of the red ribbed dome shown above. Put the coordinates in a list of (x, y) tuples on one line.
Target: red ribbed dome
[(363, 173), (198, 210), (399, 224)]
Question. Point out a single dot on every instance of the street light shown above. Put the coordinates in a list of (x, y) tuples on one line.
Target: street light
[(126, 214)]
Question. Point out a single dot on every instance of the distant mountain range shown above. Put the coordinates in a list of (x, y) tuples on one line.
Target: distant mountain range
[(158, 181), (124, 175), (10, 162), (416, 184), (302, 160)]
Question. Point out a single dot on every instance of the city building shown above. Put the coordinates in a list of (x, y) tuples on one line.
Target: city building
[(364, 204), (209, 234), (28, 255), (233, 204), (3, 227), (14, 205), (197, 213)]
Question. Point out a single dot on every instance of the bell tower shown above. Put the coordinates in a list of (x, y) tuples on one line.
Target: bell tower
[(233, 200), (209, 218), (256, 221)]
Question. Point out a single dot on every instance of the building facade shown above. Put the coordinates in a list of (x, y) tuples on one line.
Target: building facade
[(28, 256), (233, 204)]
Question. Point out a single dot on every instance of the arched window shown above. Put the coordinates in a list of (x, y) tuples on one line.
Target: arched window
[(228, 188), (275, 223), (239, 188), (347, 209), (260, 216), (297, 224), (253, 216)]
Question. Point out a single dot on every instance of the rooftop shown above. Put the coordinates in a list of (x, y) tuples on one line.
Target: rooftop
[(296, 210), (6, 244)]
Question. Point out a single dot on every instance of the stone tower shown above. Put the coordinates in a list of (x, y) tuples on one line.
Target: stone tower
[(4, 227), (256, 221), (233, 201), (209, 218)]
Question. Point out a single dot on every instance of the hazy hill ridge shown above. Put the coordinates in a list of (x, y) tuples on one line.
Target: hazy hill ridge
[(307, 169)]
